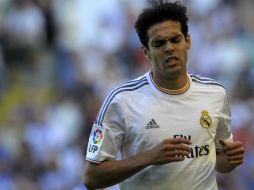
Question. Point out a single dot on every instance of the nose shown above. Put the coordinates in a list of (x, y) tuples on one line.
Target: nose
[(169, 47)]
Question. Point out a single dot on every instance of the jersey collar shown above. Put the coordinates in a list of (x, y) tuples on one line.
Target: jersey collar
[(164, 91)]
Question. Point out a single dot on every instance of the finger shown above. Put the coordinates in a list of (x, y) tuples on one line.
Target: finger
[(177, 153), (222, 142), (177, 147), (235, 158), (175, 159), (177, 141), (181, 141), (236, 163), (239, 151), (231, 145)]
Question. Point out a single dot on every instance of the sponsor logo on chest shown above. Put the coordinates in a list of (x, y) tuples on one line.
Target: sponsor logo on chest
[(152, 124)]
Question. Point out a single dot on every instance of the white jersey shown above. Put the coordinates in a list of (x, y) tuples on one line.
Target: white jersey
[(137, 116)]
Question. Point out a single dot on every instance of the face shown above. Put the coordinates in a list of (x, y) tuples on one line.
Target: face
[(167, 50)]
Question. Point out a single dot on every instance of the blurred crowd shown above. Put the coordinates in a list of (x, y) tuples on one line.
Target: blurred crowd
[(59, 58)]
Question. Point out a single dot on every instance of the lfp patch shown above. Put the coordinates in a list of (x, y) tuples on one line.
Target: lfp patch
[(97, 136), (95, 142)]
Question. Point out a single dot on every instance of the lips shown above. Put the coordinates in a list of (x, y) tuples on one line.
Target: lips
[(172, 61), (171, 58)]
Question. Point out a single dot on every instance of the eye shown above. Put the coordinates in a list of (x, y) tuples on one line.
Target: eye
[(176, 39), (158, 43)]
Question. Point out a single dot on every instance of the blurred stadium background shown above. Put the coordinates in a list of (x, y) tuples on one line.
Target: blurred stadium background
[(59, 58)]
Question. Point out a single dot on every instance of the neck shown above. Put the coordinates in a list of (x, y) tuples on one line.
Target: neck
[(177, 83)]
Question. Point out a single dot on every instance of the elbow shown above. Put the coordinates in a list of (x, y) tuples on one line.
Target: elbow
[(89, 186), (89, 183), (92, 177)]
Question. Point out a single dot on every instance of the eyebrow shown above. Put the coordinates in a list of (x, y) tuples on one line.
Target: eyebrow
[(158, 38)]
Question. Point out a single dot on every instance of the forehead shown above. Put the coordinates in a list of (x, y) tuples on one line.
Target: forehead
[(167, 28)]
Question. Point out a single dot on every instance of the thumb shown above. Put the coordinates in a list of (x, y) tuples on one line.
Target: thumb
[(222, 142)]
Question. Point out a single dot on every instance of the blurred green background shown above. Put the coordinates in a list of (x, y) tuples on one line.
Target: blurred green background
[(59, 58)]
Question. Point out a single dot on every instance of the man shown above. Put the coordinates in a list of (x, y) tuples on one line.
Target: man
[(171, 128)]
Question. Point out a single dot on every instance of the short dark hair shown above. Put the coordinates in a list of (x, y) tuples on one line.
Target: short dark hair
[(160, 11)]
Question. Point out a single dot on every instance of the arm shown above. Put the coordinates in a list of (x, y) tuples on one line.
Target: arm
[(230, 157), (111, 172), (231, 154)]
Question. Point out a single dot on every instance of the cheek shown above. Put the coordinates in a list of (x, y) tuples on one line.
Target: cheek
[(184, 54), (157, 62), (158, 55), (156, 58)]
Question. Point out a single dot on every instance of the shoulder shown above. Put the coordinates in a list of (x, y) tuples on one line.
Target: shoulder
[(129, 86), (208, 85), (205, 81), (114, 101)]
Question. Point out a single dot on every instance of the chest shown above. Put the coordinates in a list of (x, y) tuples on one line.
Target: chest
[(153, 120)]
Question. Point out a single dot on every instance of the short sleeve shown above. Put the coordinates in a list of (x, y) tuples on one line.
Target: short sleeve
[(224, 130), (106, 137)]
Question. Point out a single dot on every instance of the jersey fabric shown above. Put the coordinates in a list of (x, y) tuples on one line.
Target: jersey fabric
[(137, 116)]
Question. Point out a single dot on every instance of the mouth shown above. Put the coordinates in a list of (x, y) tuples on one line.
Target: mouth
[(172, 61)]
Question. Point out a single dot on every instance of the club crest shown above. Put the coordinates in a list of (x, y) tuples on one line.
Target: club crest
[(205, 119)]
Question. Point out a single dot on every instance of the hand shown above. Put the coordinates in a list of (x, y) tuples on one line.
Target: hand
[(234, 152), (169, 150)]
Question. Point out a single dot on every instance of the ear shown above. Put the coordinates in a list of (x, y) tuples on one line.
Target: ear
[(188, 41), (146, 52)]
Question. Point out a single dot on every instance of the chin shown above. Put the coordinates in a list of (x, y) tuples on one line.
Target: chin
[(172, 74)]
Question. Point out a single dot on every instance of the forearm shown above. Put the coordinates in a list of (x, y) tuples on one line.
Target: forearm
[(109, 173), (222, 164)]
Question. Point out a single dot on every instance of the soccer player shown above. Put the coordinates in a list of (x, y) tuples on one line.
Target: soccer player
[(171, 128)]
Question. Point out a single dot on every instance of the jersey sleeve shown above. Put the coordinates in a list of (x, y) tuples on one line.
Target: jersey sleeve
[(224, 130), (107, 134)]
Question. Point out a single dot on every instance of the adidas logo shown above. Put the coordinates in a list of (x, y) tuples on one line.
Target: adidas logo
[(152, 124)]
